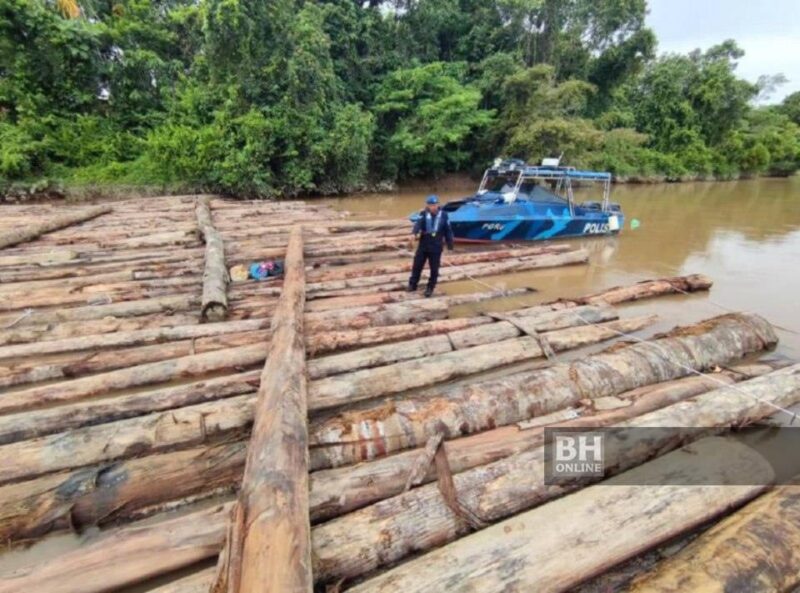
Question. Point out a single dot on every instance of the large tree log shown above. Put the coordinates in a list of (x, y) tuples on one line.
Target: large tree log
[(527, 553), (269, 543), (396, 378), (37, 423), (126, 556), (31, 231), (650, 288), (757, 550), (140, 375), (332, 341), (132, 338), (215, 272), (409, 422), (420, 519), (337, 491), (74, 365), (396, 297)]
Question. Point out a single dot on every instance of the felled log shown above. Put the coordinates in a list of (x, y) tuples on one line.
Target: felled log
[(337, 491), (401, 296), (526, 553), (269, 543), (420, 519), (119, 491), (757, 549), (31, 231), (126, 556), (402, 376), (74, 365), (650, 288), (144, 374), (131, 338), (124, 309), (363, 434), (37, 423), (331, 341), (215, 272)]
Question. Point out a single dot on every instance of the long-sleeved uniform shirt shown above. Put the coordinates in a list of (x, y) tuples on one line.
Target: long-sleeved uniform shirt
[(434, 230)]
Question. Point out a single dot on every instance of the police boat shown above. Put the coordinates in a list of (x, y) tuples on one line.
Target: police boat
[(519, 202)]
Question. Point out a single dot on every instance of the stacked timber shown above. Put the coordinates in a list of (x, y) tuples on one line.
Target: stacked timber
[(329, 428)]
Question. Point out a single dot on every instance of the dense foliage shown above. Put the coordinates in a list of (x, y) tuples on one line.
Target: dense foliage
[(281, 97)]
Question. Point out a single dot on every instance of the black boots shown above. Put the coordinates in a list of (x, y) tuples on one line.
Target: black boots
[(410, 288), (428, 292)]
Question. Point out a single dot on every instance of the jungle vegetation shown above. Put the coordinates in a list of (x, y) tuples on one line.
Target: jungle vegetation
[(284, 97)]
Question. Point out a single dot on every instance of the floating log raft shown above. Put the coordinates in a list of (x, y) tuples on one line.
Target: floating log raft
[(129, 410)]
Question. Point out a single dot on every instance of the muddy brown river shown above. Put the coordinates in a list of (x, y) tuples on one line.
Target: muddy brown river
[(745, 235)]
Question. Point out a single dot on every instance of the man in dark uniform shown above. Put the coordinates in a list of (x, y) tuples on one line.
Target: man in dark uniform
[(432, 229)]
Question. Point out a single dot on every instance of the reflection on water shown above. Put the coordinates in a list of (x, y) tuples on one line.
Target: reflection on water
[(744, 234)]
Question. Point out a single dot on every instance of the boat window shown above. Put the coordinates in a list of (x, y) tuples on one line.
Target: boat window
[(500, 184)]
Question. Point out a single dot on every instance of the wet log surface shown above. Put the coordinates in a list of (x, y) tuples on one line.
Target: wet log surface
[(127, 406)]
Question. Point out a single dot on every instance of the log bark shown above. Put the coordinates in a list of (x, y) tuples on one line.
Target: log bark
[(215, 272), (757, 549), (396, 378), (380, 429), (30, 232), (335, 492), (420, 519), (269, 543), (527, 553)]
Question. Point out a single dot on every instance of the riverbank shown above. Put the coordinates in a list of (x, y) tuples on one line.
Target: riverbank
[(48, 190)]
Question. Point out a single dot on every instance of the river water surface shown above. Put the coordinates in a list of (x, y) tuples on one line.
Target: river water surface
[(745, 235)]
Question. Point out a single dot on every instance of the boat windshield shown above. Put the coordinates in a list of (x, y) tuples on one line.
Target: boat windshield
[(501, 183)]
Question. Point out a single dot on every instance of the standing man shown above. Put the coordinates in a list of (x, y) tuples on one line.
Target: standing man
[(432, 230)]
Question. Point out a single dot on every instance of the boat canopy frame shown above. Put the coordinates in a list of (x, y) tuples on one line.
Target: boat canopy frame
[(563, 177)]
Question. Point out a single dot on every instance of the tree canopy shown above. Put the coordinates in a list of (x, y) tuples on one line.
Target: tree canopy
[(278, 98)]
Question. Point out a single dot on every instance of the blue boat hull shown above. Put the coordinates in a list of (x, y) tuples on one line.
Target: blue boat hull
[(538, 229), (528, 220)]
